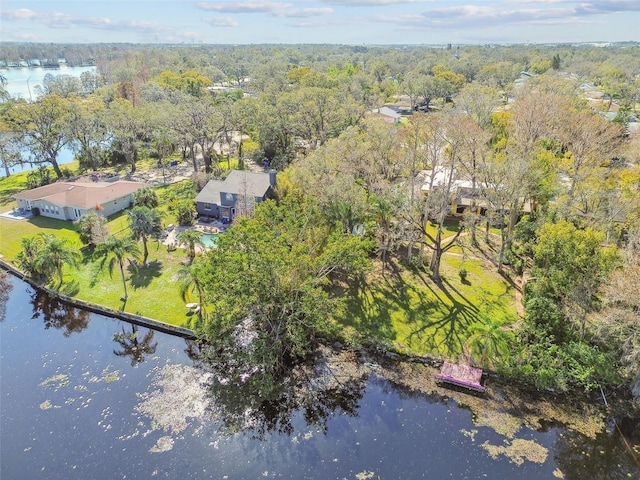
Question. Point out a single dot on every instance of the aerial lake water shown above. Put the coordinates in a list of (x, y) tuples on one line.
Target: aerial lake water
[(22, 82), (87, 396)]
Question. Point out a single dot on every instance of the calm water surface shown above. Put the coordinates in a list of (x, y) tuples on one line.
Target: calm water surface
[(22, 82), (81, 399)]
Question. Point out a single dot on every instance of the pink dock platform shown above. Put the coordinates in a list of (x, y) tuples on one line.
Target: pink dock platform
[(462, 375)]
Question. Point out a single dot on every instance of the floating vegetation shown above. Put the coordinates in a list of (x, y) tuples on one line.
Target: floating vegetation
[(558, 473), (365, 475), (106, 376), (503, 423), (164, 444), (505, 408), (587, 419), (180, 392), (469, 434), (56, 381), (518, 451), (46, 405)]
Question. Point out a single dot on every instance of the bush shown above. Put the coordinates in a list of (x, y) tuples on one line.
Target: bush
[(463, 274), (39, 177), (560, 367), (185, 213), (543, 317)]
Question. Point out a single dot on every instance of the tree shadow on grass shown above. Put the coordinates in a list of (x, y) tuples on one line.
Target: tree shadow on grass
[(442, 326), (410, 311), (440, 321), (142, 275), (362, 309)]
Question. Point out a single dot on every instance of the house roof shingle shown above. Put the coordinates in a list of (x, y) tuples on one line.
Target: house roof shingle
[(252, 184), (80, 194)]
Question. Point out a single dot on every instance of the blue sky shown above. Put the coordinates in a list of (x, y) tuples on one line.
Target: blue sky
[(355, 22)]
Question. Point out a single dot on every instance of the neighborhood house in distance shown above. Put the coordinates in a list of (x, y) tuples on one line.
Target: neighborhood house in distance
[(235, 195), (71, 200)]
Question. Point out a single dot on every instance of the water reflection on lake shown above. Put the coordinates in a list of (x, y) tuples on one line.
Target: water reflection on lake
[(85, 396)]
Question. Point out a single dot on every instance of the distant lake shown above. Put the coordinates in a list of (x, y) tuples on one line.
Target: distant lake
[(65, 156), (86, 396), (21, 83)]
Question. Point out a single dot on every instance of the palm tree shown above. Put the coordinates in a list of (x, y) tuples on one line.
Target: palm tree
[(146, 197), (93, 228), (382, 210), (192, 284), (53, 254), (134, 348), (119, 249), (341, 211), (29, 254), (145, 223), (490, 339), (191, 238)]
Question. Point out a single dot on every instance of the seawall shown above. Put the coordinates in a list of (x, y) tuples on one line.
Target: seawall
[(102, 310)]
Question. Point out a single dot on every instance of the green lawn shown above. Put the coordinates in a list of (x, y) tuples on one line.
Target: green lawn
[(153, 290), (410, 313), (10, 186), (12, 231)]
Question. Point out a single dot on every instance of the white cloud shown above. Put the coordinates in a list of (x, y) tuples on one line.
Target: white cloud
[(222, 22), (274, 9), (64, 20), (369, 3), (18, 14), (494, 15)]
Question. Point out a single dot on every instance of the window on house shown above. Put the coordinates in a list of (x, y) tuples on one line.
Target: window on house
[(207, 206)]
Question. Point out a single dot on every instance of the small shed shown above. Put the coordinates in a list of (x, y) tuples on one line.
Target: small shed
[(461, 375)]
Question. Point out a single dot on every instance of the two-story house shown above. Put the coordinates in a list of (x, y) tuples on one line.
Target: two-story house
[(235, 195)]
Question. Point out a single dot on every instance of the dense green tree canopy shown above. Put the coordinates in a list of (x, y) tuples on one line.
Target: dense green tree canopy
[(266, 284)]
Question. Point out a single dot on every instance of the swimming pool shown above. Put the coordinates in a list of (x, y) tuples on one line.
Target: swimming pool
[(210, 240)]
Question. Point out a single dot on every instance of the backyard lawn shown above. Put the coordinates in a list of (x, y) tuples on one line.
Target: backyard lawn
[(411, 314), (404, 309), (153, 289)]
